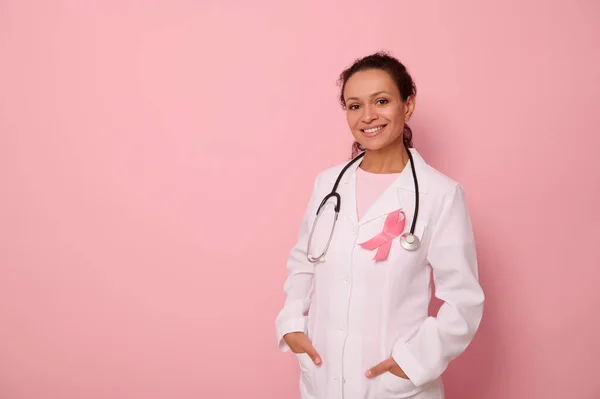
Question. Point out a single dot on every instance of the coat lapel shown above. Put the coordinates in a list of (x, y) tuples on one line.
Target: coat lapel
[(348, 194)]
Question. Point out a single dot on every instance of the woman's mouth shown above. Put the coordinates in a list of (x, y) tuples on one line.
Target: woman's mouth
[(372, 131)]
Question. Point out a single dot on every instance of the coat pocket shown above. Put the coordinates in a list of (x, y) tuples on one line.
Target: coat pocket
[(394, 387), (307, 376)]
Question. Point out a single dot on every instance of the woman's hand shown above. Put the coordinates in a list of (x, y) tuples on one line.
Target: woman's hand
[(299, 343), (387, 365)]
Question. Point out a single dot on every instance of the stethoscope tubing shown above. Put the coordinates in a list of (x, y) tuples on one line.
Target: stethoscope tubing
[(409, 241)]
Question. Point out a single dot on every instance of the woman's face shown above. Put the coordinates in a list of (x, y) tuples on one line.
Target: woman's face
[(375, 111)]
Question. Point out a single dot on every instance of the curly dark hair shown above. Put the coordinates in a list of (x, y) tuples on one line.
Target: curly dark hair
[(383, 61)]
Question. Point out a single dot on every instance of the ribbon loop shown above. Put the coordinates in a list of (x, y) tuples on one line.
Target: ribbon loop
[(392, 228)]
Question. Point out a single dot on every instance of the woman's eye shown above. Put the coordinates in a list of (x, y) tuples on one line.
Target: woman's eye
[(353, 107), (382, 101)]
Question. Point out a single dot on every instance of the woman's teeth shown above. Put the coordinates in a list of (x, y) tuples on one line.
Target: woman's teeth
[(373, 129)]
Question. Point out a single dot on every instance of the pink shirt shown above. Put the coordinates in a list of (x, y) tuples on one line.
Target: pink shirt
[(369, 187)]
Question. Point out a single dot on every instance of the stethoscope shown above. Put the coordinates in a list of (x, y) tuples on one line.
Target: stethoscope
[(409, 241)]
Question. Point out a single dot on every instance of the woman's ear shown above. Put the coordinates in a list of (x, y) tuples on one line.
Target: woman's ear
[(410, 108)]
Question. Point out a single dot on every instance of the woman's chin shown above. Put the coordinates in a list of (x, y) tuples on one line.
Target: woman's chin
[(375, 143)]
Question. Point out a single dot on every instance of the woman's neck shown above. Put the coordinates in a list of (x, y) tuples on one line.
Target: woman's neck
[(390, 159)]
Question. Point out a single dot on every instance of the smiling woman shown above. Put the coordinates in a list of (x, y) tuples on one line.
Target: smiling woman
[(395, 100), (357, 316)]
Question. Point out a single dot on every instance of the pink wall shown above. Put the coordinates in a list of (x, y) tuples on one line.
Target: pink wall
[(156, 157)]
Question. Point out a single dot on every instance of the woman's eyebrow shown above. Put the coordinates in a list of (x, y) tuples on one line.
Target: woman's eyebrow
[(372, 95)]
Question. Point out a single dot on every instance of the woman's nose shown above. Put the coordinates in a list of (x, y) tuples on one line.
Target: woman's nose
[(369, 114)]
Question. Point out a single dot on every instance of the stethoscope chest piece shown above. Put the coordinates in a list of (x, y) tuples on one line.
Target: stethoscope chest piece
[(410, 242)]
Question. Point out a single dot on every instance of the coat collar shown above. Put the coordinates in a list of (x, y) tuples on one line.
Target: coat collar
[(400, 194)]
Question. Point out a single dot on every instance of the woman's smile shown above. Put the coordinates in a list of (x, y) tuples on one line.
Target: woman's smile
[(372, 131)]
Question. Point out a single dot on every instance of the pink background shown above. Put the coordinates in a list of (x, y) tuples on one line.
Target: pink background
[(156, 156)]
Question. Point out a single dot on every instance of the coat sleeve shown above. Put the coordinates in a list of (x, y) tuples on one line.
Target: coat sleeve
[(298, 284), (452, 257)]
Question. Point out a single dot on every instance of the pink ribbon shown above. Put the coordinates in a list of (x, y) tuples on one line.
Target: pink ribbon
[(392, 228)]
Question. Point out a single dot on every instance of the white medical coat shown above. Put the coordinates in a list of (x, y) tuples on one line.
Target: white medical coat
[(358, 312)]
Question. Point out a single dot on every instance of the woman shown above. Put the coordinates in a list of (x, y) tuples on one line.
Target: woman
[(357, 317)]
